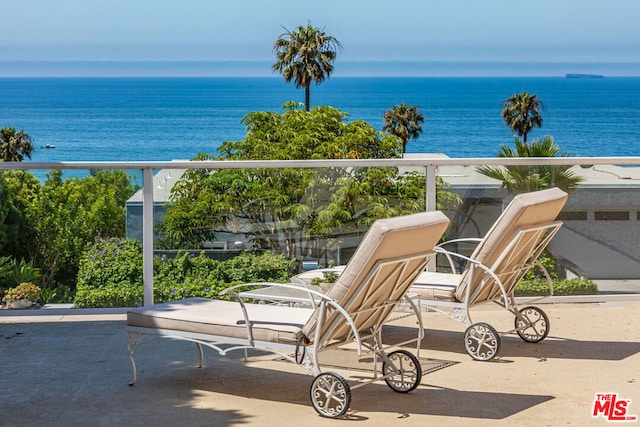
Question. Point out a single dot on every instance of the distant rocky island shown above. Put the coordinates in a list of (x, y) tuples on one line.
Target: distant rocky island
[(584, 76)]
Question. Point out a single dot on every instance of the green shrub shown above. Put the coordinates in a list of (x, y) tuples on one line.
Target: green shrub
[(549, 262), (186, 275), (111, 260), (124, 294), (539, 287), (110, 274), (250, 267)]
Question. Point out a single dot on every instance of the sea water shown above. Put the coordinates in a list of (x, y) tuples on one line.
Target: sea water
[(155, 119)]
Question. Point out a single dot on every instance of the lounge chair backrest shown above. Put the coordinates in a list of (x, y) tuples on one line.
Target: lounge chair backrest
[(391, 255), (525, 211)]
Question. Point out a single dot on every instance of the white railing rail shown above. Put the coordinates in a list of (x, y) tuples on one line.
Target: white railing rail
[(429, 163)]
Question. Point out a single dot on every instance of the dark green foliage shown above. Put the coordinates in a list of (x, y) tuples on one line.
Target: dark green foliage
[(295, 211), (14, 145), (522, 179), (68, 214), (403, 121), (539, 287), (50, 224), (21, 272), (13, 273), (110, 260), (522, 112), (5, 266), (305, 55), (549, 262), (189, 275), (18, 190), (111, 274)]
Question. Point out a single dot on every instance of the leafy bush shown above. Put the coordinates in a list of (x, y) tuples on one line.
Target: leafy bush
[(533, 285), (68, 214), (111, 274), (539, 287), (123, 294), (189, 275)]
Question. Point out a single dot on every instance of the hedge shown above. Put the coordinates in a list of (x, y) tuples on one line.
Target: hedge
[(110, 274)]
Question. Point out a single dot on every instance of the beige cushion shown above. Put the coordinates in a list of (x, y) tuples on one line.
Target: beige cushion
[(365, 282), (434, 286), (525, 210), (269, 323)]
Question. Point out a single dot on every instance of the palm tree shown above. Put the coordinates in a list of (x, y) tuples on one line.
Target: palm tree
[(523, 179), (14, 146), (521, 112), (404, 122), (305, 55)]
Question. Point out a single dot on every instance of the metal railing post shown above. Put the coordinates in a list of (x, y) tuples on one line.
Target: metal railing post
[(147, 234), (430, 172)]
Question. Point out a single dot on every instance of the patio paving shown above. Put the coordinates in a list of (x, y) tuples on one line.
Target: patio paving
[(71, 368)]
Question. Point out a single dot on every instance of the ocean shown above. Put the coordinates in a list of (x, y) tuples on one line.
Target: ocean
[(155, 119)]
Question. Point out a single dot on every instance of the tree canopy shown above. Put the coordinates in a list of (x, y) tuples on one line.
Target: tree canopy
[(14, 145), (403, 121), (52, 223), (522, 179), (305, 55), (522, 112), (18, 190), (294, 211)]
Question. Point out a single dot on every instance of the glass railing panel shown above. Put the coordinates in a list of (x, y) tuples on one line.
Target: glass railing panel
[(316, 217), (599, 237)]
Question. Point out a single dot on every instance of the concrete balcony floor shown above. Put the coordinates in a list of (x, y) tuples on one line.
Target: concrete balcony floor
[(71, 368)]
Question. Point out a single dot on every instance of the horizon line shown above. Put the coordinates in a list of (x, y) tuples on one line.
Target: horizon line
[(353, 68)]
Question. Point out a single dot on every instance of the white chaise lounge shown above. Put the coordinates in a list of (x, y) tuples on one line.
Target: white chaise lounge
[(509, 249), (389, 259)]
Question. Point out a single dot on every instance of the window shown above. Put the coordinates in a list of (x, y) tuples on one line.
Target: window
[(573, 216), (612, 216)]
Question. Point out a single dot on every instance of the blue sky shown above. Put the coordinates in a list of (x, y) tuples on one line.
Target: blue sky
[(490, 31)]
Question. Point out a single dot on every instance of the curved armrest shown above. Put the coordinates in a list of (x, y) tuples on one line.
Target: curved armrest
[(474, 264), (462, 240), (439, 249), (547, 277), (324, 301), (232, 291), (244, 311), (312, 293)]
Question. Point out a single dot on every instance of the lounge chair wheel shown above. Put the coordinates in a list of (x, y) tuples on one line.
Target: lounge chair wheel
[(403, 372), (330, 395), (532, 325), (481, 341)]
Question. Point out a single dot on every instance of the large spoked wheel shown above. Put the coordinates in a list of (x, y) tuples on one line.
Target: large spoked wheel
[(402, 371), (481, 341), (532, 325), (330, 395)]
